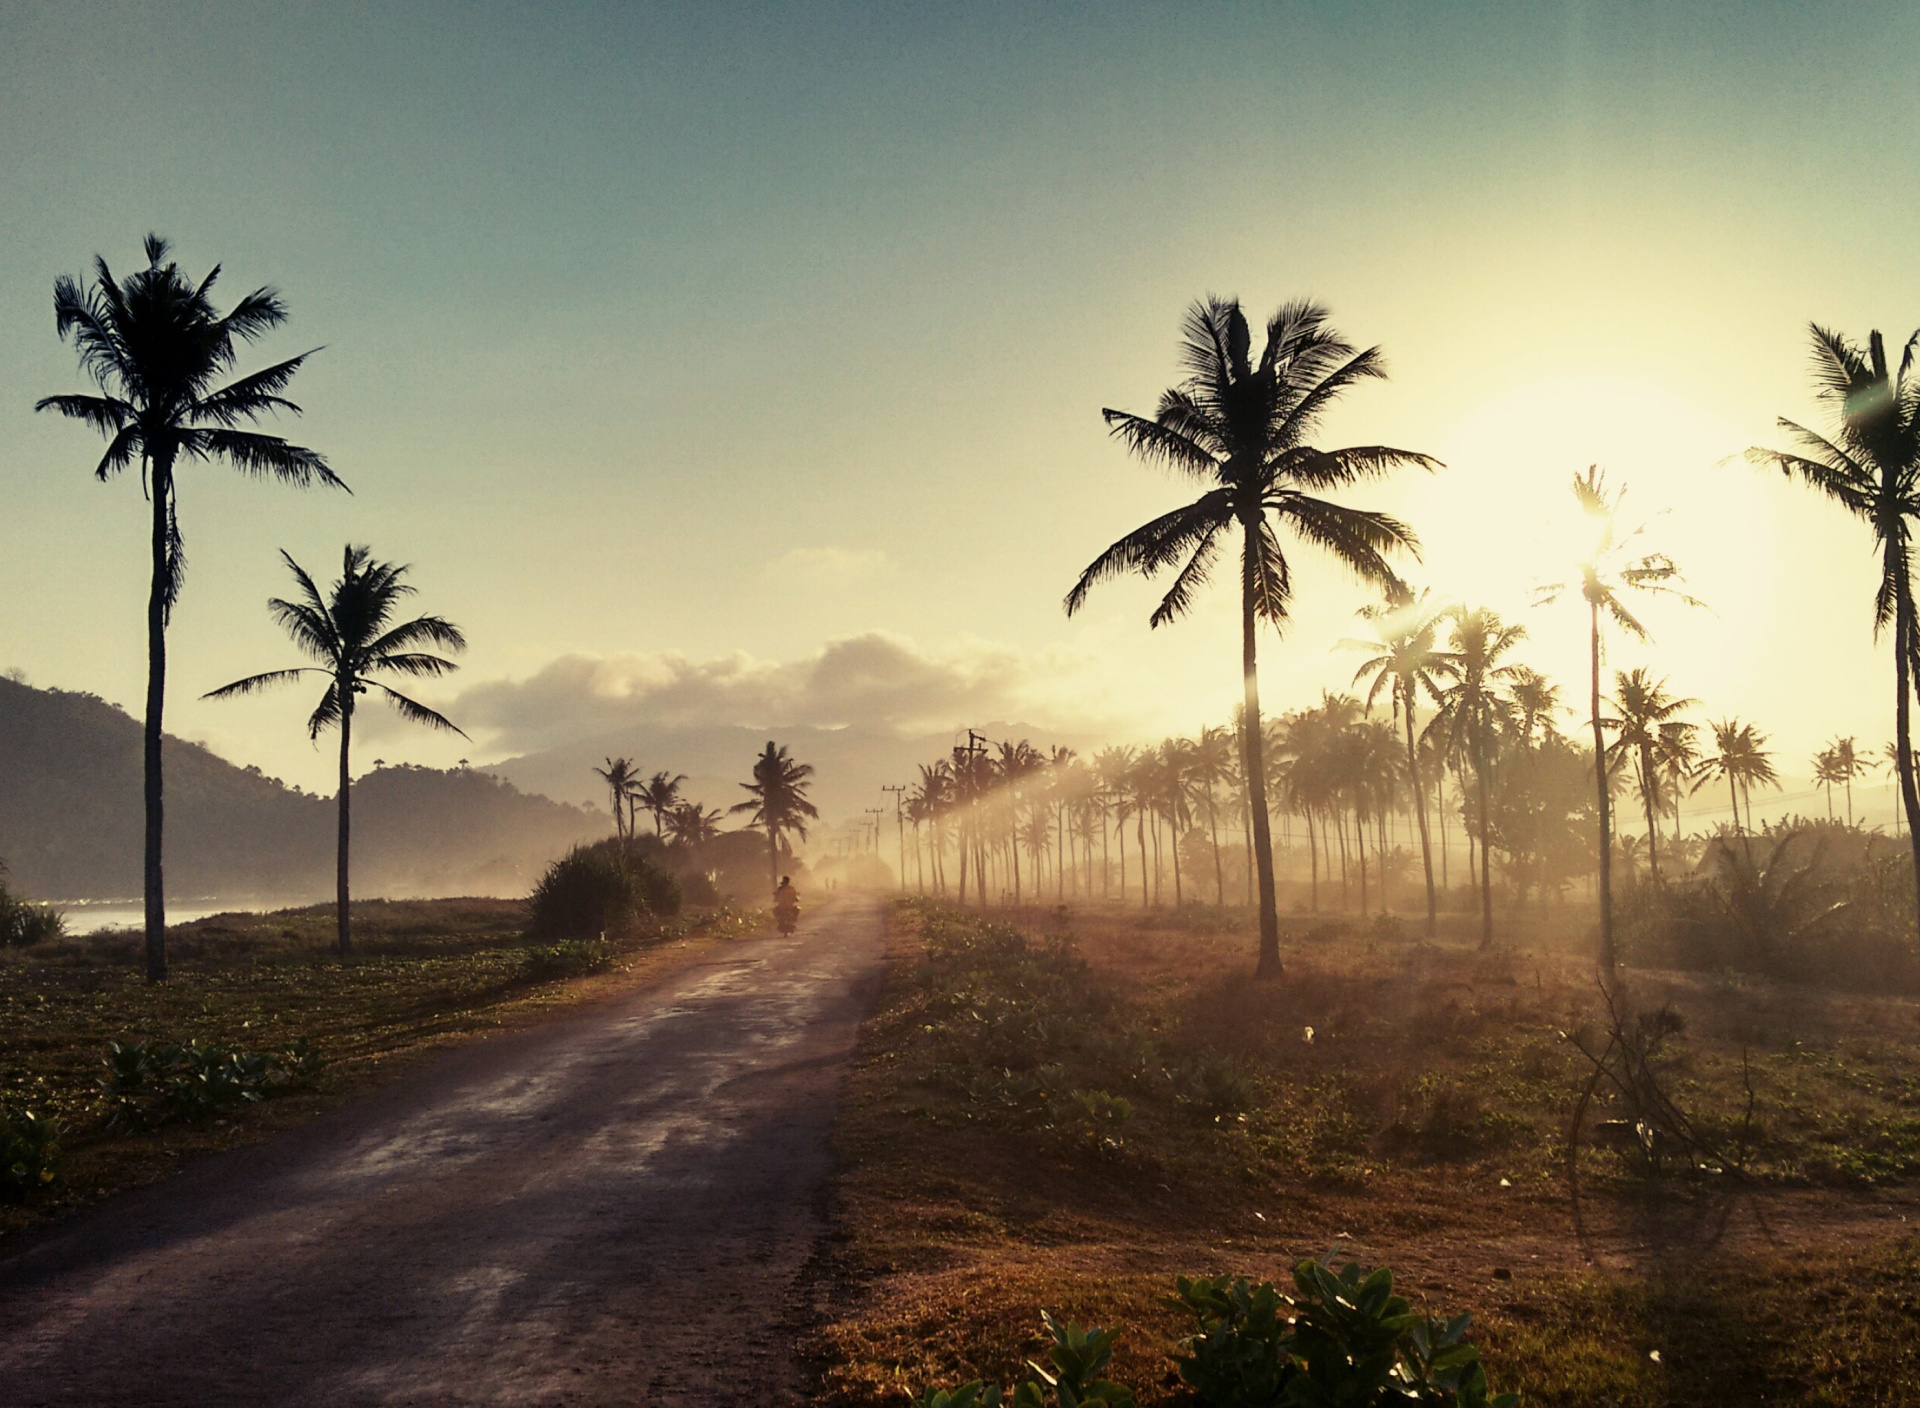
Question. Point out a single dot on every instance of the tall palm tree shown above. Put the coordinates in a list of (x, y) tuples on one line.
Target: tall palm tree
[(1870, 466), (349, 632), (689, 824), (1241, 429), (1740, 759), (1848, 763), (1536, 702), (1611, 569), (660, 794), (1646, 710), (620, 776), (777, 799), (1826, 772), (1677, 759), (1408, 658), (1208, 765), (1473, 706), (157, 347)]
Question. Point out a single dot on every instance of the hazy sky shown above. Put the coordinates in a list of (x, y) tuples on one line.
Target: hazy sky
[(675, 346)]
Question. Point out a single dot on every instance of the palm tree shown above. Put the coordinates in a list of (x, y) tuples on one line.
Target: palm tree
[(1646, 711), (1826, 772), (777, 798), (1209, 764), (1847, 765), (1610, 569), (1677, 760), (1740, 760), (1241, 429), (1473, 707), (1537, 700), (1871, 468), (621, 777), (660, 794), (689, 824), (156, 346), (1407, 662), (348, 632)]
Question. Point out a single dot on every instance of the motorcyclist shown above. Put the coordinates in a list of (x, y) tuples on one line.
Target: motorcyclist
[(786, 904)]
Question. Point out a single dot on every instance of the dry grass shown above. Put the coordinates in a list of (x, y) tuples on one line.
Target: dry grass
[(425, 974), (1422, 1127)]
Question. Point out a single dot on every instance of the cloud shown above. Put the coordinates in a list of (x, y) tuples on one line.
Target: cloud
[(826, 566), (873, 680)]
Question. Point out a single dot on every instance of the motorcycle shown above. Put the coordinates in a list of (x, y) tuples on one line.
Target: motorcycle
[(787, 919)]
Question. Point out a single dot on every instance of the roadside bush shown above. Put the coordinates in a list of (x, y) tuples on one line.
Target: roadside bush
[(1342, 1340), (603, 889), (146, 1086), (30, 1151), (23, 923), (569, 958)]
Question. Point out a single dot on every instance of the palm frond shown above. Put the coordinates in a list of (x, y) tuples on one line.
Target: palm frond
[(1179, 597), (253, 684), (106, 414), (1333, 469), (253, 395), (1156, 545), (414, 712), (425, 630), (262, 456), (1159, 444)]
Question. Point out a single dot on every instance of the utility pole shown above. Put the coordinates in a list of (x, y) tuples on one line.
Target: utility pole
[(876, 813), (899, 791)]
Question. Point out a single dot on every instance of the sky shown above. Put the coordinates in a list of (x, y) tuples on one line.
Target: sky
[(744, 364)]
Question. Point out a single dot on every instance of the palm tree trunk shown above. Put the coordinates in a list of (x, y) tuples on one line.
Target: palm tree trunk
[(1486, 855), (1256, 764), (342, 893), (1360, 849), (1420, 812), (1140, 835), (154, 878), (1647, 789), (1313, 861), (773, 858), (1213, 832), (1173, 846), (1902, 719), (1606, 801)]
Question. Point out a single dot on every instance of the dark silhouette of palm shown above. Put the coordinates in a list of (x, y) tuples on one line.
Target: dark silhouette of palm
[(660, 794), (157, 347), (777, 799), (621, 779), (1240, 428), (1644, 729), (1871, 468), (348, 631), (690, 825), (1609, 570), (1740, 759), (1472, 708), (1408, 662)]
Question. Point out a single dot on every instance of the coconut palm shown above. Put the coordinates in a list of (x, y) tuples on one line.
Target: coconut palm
[(1241, 429), (1536, 703), (1613, 568), (689, 824), (1677, 759), (777, 799), (1209, 764), (157, 347), (349, 631), (1740, 759), (1472, 707), (620, 777), (1646, 710), (1409, 655), (659, 794), (1848, 763), (1870, 466)]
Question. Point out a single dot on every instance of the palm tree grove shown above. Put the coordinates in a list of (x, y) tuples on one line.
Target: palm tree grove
[(1013, 709)]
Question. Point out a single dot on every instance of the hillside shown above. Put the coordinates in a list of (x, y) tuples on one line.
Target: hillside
[(71, 820)]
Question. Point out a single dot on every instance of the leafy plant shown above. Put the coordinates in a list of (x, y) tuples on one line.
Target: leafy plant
[(145, 1086), (1075, 1362), (30, 1152), (566, 959), (23, 923), (1344, 1340)]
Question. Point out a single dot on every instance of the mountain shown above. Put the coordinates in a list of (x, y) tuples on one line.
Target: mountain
[(71, 819), (850, 764)]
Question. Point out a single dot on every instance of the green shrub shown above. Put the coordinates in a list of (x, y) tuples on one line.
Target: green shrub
[(1344, 1340), (567, 959), (30, 1151), (145, 1086), (605, 889), (23, 923)]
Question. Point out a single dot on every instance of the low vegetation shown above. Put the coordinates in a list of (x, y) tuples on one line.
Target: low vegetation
[(1058, 1114), (22, 922), (608, 888), (108, 1081)]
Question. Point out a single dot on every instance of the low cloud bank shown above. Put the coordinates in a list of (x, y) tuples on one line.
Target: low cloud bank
[(870, 681)]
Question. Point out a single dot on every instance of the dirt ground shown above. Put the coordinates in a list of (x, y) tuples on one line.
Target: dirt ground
[(957, 1225), (615, 1207)]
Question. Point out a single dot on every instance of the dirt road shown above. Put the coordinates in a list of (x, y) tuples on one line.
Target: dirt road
[(612, 1208)]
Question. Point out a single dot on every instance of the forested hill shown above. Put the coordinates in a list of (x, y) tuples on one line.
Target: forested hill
[(71, 818)]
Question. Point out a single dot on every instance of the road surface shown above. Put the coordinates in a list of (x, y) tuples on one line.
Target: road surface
[(612, 1208)]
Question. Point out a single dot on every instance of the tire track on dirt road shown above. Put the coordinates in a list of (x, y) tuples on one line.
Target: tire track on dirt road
[(611, 1208)]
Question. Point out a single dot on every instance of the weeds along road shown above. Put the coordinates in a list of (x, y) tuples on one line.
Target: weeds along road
[(611, 1208)]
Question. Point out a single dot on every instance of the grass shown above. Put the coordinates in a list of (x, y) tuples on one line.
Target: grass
[(1068, 1115), (424, 974)]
